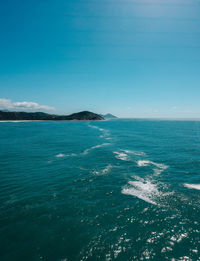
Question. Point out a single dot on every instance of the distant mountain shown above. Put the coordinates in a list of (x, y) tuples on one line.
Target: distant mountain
[(83, 115), (108, 116)]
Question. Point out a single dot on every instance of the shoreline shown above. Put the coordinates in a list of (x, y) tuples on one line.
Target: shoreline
[(44, 120)]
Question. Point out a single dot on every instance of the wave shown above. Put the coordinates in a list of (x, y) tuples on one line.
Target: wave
[(142, 189), (105, 133), (146, 190), (85, 152), (192, 186), (143, 163), (95, 147), (61, 155), (95, 127), (107, 169), (103, 171), (126, 154), (161, 167), (121, 156), (136, 153), (158, 171)]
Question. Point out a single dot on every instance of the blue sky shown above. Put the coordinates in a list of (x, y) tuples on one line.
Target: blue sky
[(133, 58)]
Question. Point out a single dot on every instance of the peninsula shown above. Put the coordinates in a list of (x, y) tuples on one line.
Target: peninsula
[(41, 116)]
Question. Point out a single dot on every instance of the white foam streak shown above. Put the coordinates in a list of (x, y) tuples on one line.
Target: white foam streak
[(95, 127), (136, 153), (157, 171), (106, 170), (105, 133), (192, 186), (61, 155), (126, 154), (95, 147), (85, 152), (121, 155), (145, 163)]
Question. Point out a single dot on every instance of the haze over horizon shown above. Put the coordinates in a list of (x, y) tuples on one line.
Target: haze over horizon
[(129, 58)]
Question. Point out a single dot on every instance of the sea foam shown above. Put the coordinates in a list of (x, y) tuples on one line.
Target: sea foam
[(106, 170), (136, 153), (121, 156), (85, 152), (146, 189), (192, 186), (142, 189), (105, 133), (95, 147), (160, 167), (62, 155)]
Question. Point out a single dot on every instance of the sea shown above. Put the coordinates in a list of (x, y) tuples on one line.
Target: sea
[(126, 189)]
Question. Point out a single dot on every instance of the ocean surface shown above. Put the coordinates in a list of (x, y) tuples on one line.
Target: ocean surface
[(107, 190)]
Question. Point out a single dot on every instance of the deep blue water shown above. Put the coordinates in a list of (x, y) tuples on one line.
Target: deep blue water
[(108, 190)]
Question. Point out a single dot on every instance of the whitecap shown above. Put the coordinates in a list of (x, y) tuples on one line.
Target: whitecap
[(60, 155), (160, 167), (144, 189), (143, 163), (106, 170), (192, 186), (157, 171), (136, 153), (121, 155)]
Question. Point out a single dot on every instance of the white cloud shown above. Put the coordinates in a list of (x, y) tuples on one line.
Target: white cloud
[(6, 104)]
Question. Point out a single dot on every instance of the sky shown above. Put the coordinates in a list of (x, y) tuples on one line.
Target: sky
[(131, 58)]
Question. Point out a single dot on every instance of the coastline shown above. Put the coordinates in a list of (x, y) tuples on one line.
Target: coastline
[(16, 121)]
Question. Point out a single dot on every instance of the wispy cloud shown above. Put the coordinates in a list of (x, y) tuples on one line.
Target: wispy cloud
[(6, 104)]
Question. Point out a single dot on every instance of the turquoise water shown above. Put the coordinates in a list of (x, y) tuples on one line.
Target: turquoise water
[(109, 190)]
